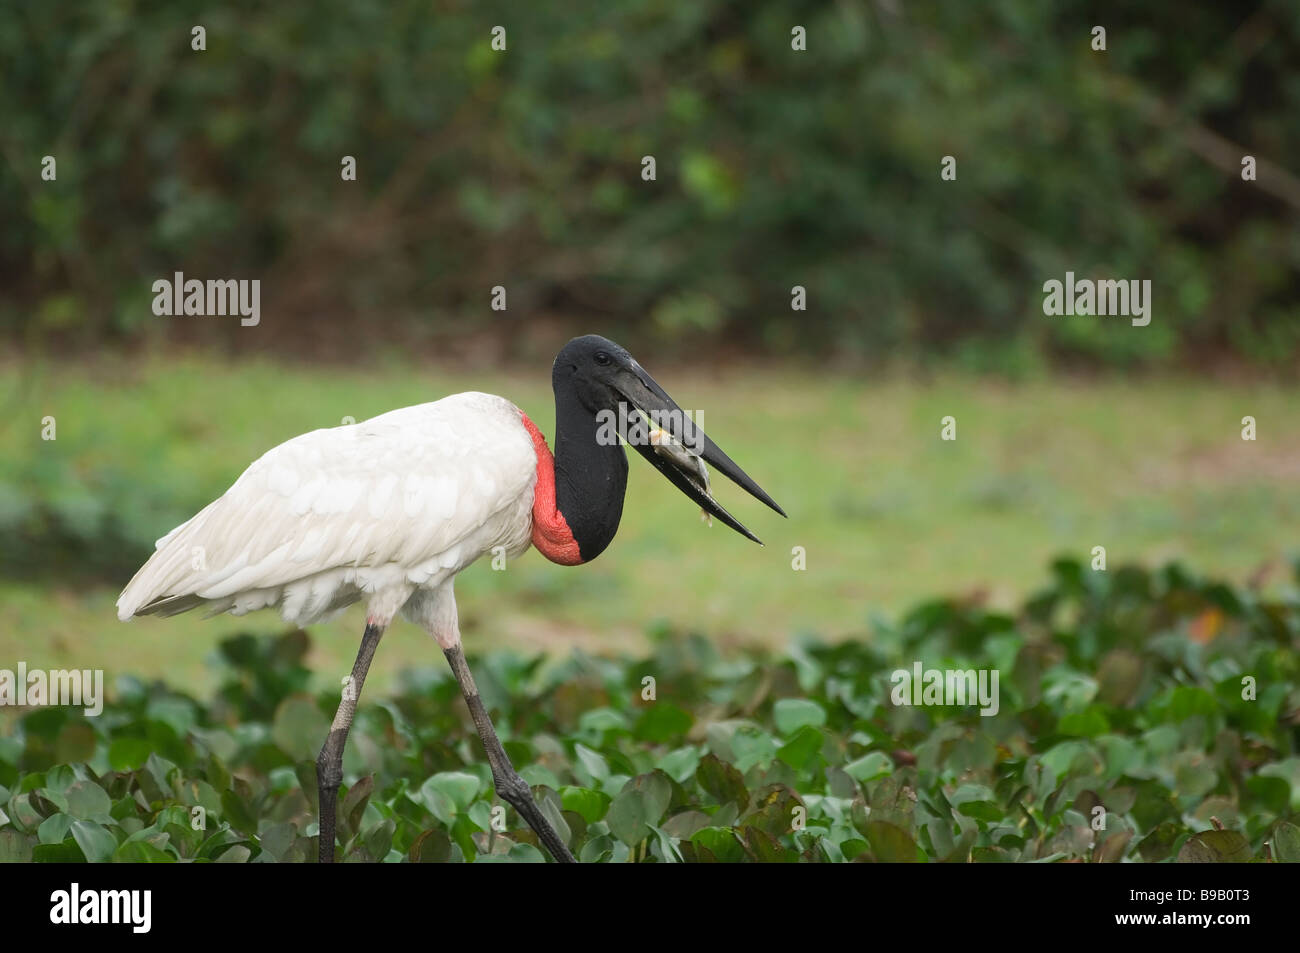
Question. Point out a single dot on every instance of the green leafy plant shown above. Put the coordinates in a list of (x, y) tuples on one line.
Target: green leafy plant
[(1144, 716)]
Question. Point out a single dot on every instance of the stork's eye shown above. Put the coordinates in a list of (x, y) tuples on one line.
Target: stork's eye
[(602, 358)]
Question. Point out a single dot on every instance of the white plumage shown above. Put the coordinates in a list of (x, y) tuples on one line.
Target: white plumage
[(380, 510)]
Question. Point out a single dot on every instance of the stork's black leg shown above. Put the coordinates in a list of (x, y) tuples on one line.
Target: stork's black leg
[(329, 763), (509, 785)]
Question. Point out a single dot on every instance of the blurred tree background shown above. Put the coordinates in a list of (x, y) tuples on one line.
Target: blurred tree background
[(775, 168)]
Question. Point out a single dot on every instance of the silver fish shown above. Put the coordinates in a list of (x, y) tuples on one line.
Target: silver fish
[(692, 467)]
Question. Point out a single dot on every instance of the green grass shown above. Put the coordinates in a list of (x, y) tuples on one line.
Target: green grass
[(887, 512)]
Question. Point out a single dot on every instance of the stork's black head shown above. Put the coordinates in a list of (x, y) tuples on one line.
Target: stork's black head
[(591, 366), (616, 390)]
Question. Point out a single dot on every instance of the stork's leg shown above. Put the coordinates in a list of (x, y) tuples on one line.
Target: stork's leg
[(509, 785), (329, 763)]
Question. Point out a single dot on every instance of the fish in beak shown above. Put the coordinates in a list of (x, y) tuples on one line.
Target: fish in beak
[(691, 465), (678, 448)]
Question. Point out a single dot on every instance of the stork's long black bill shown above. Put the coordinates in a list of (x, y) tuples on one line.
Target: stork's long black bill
[(648, 397)]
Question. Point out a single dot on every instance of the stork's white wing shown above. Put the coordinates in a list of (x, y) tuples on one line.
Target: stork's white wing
[(330, 515)]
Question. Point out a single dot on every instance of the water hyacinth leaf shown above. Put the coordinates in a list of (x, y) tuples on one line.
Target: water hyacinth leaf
[(236, 810), (216, 842), (626, 819), (379, 839), (960, 852), (299, 728), (766, 849), (852, 848), (175, 712), (61, 777), (431, 847), (96, 843), (592, 805), (85, 799), (809, 671), (577, 826), (15, 847), (1215, 847), (1286, 843), (218, 775), (538, 775), (839, 784), (355, 801), (752, 746), (197, 793), (722, 781), (977, 801), (598, 721), (277, 839), (161, 839), (792, 714), (1111, 850), (54, 828), (890, 843), (681, 763), (776, 810), (1273, 792), (65, 852), (141, 852), (870, 766), (526, 854), (663, 722), (460, 787), (686, 823), (23, 813), (1194, 775), (892, 801), (440, 805), (1088, 723), (598, 850), (655, 789), (802, 749), (721, 844), (128, 754), (663, 847), (592, 761), (552, 808)]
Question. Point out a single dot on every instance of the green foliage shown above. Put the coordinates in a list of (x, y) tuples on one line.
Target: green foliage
[(774, 168), (1120, 690)]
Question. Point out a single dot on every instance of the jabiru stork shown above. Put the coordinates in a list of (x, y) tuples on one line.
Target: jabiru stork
[(391, 509)]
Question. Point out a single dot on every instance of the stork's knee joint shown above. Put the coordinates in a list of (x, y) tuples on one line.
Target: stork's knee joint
[(329, 776), (513, 789), (329, 764)]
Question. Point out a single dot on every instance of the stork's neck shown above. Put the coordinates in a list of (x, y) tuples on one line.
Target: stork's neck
[(578, 498)]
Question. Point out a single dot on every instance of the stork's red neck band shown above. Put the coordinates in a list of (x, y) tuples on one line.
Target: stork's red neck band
[(551, 533)]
